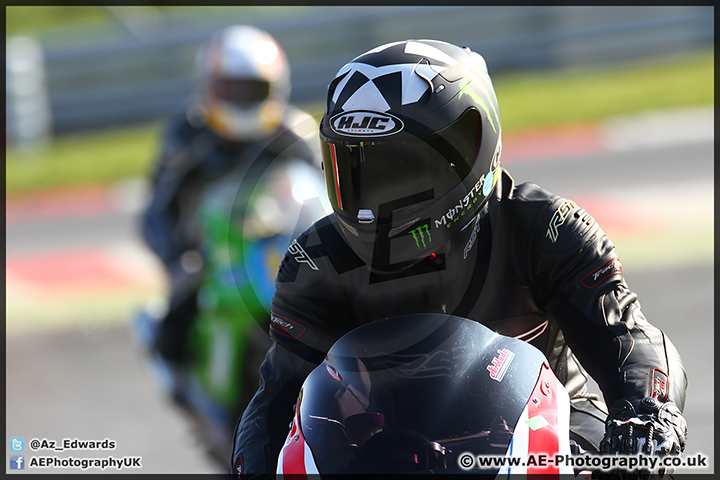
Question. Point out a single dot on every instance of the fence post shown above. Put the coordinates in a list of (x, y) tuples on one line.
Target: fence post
[(28, 115)]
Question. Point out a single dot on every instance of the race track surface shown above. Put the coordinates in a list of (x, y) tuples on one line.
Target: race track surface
[(76, 275)]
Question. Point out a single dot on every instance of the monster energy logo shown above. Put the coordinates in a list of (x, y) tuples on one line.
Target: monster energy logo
[(419, 236)]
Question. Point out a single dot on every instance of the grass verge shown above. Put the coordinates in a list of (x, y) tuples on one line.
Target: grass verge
[(527, 100)]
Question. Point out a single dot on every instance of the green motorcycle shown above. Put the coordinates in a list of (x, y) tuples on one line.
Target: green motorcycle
[(246, 222)]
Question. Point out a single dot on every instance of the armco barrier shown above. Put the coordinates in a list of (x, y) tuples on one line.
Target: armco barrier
[(117, 76)]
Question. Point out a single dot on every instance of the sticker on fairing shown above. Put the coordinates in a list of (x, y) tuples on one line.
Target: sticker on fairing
[(542, 432), (500, 364)]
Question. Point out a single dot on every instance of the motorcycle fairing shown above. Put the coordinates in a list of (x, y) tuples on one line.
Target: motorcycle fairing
[(441, 384), (542, 432), (295, 456)]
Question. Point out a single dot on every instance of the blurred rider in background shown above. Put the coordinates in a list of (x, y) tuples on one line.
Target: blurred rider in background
[(240, 114)]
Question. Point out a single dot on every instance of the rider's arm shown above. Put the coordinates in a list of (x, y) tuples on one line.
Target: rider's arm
[(263, 426), (599, 316), (172, 173), (302, 303)]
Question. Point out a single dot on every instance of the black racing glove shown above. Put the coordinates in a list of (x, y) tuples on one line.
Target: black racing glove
[(649, 427)]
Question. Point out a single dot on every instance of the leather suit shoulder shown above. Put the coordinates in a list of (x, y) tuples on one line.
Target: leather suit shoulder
[(525, 199), (319, 253), (530, 193), (567, 225), (179, 135), (183, 127), (307, 307)]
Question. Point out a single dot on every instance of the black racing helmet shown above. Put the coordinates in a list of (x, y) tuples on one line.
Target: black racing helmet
[(411, 148)]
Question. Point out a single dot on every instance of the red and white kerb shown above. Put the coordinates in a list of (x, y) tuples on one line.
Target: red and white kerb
[(295, 457), (336, 175), (542, 430)]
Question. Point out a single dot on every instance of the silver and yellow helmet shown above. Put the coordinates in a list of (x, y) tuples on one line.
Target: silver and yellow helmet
[(244, 83)]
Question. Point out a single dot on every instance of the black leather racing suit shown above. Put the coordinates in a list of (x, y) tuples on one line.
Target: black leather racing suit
[(192, 158), (531, 265)]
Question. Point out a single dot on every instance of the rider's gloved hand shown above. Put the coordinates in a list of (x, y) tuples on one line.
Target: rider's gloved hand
[(648, 427)]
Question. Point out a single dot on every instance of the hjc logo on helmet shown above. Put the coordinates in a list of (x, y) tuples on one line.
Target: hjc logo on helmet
[(364, 123)]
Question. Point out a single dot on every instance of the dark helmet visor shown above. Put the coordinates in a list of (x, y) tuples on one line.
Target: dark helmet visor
[(240, 91), (392, 176)]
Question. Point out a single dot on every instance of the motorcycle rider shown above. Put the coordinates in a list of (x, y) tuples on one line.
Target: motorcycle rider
[(426, 221), (240, 115)]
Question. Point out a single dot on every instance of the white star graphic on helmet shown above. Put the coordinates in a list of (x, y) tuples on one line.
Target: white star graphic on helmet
[(416, 80), (367, 97)]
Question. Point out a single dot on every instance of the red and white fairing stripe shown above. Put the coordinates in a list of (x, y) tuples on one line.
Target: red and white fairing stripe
[(543, 430), (295, 457)]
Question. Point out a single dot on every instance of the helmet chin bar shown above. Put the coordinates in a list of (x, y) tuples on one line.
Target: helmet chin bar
[(374, 248), (375, 251), (400, 239)]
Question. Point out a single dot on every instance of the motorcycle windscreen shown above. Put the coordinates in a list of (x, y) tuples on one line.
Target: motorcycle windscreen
[(411, 393)]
